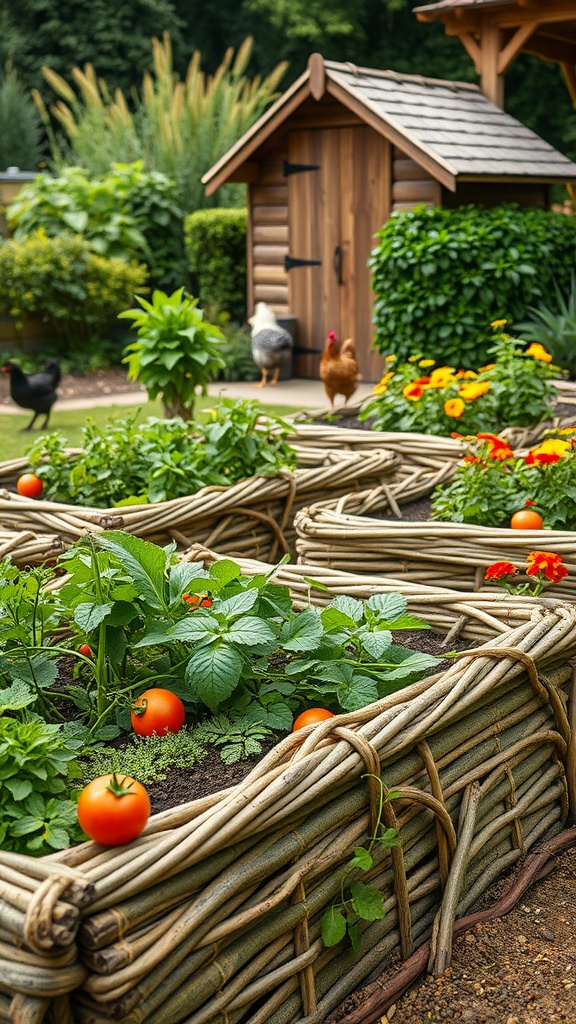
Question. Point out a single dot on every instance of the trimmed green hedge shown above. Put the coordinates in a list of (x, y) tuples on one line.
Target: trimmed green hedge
[(442, 276), (215, 242)]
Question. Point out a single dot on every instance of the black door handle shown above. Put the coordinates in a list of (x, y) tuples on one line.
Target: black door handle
[(338, 264)]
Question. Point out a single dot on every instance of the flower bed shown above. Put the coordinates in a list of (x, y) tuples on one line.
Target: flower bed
[(253, 517), (214, 913)]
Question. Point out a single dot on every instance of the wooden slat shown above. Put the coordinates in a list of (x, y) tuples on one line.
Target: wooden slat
[(270, 215), (270, 195), (270, 234), (404, 207), (417, 191), (404, 169), (270, 275), (270, 254), (271, 294)]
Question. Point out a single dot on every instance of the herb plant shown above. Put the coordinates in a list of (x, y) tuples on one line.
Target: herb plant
[(126, 462), (553, 326)]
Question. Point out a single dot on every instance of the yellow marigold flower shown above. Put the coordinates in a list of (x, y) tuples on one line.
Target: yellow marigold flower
[(538, 351), (470, 392), (382, 385), (413, 359), (454, 407), (496, 324), (413, 391), (390, 359), (552, 447), (566, 430), (489, 366), (426, 362), (442, 376)]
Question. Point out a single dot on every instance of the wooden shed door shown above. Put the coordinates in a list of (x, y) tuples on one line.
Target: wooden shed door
[(334, 211)]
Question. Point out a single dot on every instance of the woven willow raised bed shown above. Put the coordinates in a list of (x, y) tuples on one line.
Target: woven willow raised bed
[(212, 915), (341, 535), (253, 517)]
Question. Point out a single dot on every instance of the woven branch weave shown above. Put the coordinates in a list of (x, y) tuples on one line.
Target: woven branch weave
[(213, 914)]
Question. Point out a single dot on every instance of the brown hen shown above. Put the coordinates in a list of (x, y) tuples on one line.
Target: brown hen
[(338, 368)]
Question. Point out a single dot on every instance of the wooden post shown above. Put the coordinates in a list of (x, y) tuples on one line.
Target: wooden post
[(491, 81)]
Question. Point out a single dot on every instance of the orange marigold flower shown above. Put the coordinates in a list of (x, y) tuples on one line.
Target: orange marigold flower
[(197, 600), (547, 563), (470, 392), (442, 376), (499, 453), (413, 391), (489, 366), (498, 570), (538, 352), (454, 408)]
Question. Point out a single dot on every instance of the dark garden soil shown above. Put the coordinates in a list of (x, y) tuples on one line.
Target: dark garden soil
[(518, 969)]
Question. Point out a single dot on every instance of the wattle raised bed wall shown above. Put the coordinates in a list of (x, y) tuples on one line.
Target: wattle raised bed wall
[(251, 518), (342, 535), (213, 915)]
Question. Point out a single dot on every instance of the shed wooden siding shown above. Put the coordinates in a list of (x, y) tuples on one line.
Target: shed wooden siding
[(412, 184), (492, 193), (268, 233)]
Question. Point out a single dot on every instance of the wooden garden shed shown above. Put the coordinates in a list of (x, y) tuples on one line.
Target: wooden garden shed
[(339, 152)]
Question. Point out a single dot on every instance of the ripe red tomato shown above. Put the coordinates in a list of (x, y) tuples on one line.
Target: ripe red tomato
[(311, 716), (113, 809), (85, 650), (526, 519), (157, 711), (29, 485)]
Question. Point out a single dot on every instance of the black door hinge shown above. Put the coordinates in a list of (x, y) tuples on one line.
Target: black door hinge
[(288, 168), (290, 262)]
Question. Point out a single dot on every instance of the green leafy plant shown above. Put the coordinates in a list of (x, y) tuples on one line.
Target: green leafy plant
[(126, 214), (554, 327), (438, 273), (363, 902), (125, 462), (148, 758), (64, 282), (177, 353), (235, 735), (515, 389), (492, 483), (20, 125), (37, 762)]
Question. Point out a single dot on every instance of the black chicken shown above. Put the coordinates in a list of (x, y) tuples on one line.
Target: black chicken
[(36, 391)]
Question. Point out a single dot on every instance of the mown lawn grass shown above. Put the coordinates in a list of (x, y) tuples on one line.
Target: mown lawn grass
[(14, 443)]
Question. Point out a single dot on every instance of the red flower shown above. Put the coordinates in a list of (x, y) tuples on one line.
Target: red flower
[(542, 458), (498, 570), (547, 563), (499, 449), (529, 503)]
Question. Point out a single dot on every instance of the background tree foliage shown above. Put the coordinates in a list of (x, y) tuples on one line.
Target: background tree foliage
[(115, 38)]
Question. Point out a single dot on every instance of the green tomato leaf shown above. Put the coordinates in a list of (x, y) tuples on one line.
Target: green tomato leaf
[(388, 606), (250, 632), (376, 644), (348, 606), (212, 674), (16, 696), (357, 693), (88, 615), (333, 927), (302, 633), (225, 571)]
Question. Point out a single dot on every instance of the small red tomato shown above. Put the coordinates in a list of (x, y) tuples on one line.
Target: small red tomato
[(113, 810), (311, 716), (526, 519), (85, 650), (29, 485), (157, 711)]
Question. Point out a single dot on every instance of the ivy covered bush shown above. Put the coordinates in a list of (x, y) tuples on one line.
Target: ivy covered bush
[(65, 282), (127, 213), (440, 276), (215, 242)]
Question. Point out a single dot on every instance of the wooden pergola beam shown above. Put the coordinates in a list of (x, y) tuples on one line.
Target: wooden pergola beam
[(515, 45), (569, 71)]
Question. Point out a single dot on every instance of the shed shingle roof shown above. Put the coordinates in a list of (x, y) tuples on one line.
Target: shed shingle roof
[(452, 125)]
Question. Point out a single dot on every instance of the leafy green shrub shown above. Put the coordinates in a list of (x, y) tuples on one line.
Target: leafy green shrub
[(177, 352), (162, 459), (236, 352), (215, 242), (63, 281), (126, 213), (148, 758), (554, 327), (515, 390), (438, 275), (20, 126)]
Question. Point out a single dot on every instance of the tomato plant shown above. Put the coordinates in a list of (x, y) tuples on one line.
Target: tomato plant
[(29, 485), (113, 811), (157, 711), (526, 519), (86, 650), (310, 717)]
